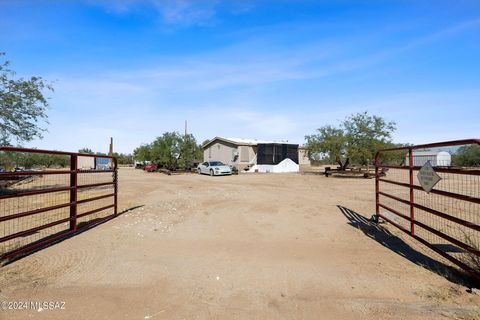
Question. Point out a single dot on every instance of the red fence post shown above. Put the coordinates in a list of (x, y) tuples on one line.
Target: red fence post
[(377, 185), (73, 192), (115, 186), (412, 200)]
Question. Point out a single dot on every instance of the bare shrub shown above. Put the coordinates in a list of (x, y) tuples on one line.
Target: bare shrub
[(469, 258)]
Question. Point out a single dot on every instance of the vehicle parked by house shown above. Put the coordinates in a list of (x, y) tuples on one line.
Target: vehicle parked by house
[(150, 167), (243, 154), (214, 168), (140, 164)]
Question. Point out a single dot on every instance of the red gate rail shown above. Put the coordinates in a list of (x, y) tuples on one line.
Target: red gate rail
[(446, 219), (40, 206)]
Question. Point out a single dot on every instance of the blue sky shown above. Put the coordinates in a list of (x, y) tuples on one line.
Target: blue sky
[(250, 69)]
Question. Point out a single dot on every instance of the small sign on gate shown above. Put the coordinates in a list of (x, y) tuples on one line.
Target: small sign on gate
[(427, 177)]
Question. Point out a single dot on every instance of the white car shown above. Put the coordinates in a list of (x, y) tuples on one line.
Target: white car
[(214, 168)]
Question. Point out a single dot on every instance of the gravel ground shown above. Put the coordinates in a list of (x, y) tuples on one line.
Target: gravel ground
[(252, 246)]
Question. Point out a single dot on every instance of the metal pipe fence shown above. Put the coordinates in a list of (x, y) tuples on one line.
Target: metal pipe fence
[(446, 218), (46, 196)]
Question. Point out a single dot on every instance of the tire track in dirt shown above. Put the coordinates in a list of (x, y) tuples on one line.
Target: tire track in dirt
[(66, 263), (301, 260)]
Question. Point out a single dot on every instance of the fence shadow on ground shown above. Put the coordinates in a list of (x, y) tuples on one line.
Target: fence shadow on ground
[(387, 239), (84, 226)]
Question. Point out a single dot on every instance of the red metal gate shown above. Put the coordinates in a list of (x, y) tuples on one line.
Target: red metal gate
[(446, 219), (40, 205)]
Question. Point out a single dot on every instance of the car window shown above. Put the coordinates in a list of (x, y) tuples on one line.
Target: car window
[(206, 164)]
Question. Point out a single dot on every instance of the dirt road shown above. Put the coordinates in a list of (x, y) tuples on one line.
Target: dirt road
[(253, 246)]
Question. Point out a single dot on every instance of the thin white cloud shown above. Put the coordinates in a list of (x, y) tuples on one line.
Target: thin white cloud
[(133, 118), (253, 64), (213, 91), (265, 124), (186, 12), (177, 12), (241, 66)]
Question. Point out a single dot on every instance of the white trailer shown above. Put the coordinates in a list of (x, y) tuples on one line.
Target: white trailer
[(436, 158)]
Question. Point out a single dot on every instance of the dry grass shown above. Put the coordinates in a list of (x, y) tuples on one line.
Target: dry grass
[(471, 259)]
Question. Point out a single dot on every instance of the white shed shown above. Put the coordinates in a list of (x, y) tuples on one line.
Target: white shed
[(86, 163), (436, 158)]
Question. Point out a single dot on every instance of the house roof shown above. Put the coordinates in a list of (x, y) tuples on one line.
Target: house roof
[(428, 153), (254, 141), (242, 141)]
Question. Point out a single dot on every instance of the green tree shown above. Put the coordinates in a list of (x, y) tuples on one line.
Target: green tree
[(22, 106), (123, 159), (189, 151), (365, 135), (356, 140), (59, 160), (329, 141), (166, 150), (143, 153), (467, 156), (10, 160), (199, 152), (86, 151), (30, 160), (171, 150)]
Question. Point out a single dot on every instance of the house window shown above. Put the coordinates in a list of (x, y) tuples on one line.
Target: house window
[(244, 156)]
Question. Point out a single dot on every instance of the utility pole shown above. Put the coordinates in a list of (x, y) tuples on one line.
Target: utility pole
[(110, 153), (186, 156)]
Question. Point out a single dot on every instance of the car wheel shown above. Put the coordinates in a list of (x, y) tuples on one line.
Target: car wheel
[(211, 172)]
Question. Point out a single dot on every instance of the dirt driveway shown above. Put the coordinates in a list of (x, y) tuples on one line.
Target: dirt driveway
[(253, 246)]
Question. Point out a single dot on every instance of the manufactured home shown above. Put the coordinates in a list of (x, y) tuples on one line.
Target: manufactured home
[(247, 153)]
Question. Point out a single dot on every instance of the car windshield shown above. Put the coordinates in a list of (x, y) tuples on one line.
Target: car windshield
[(216, 163)]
